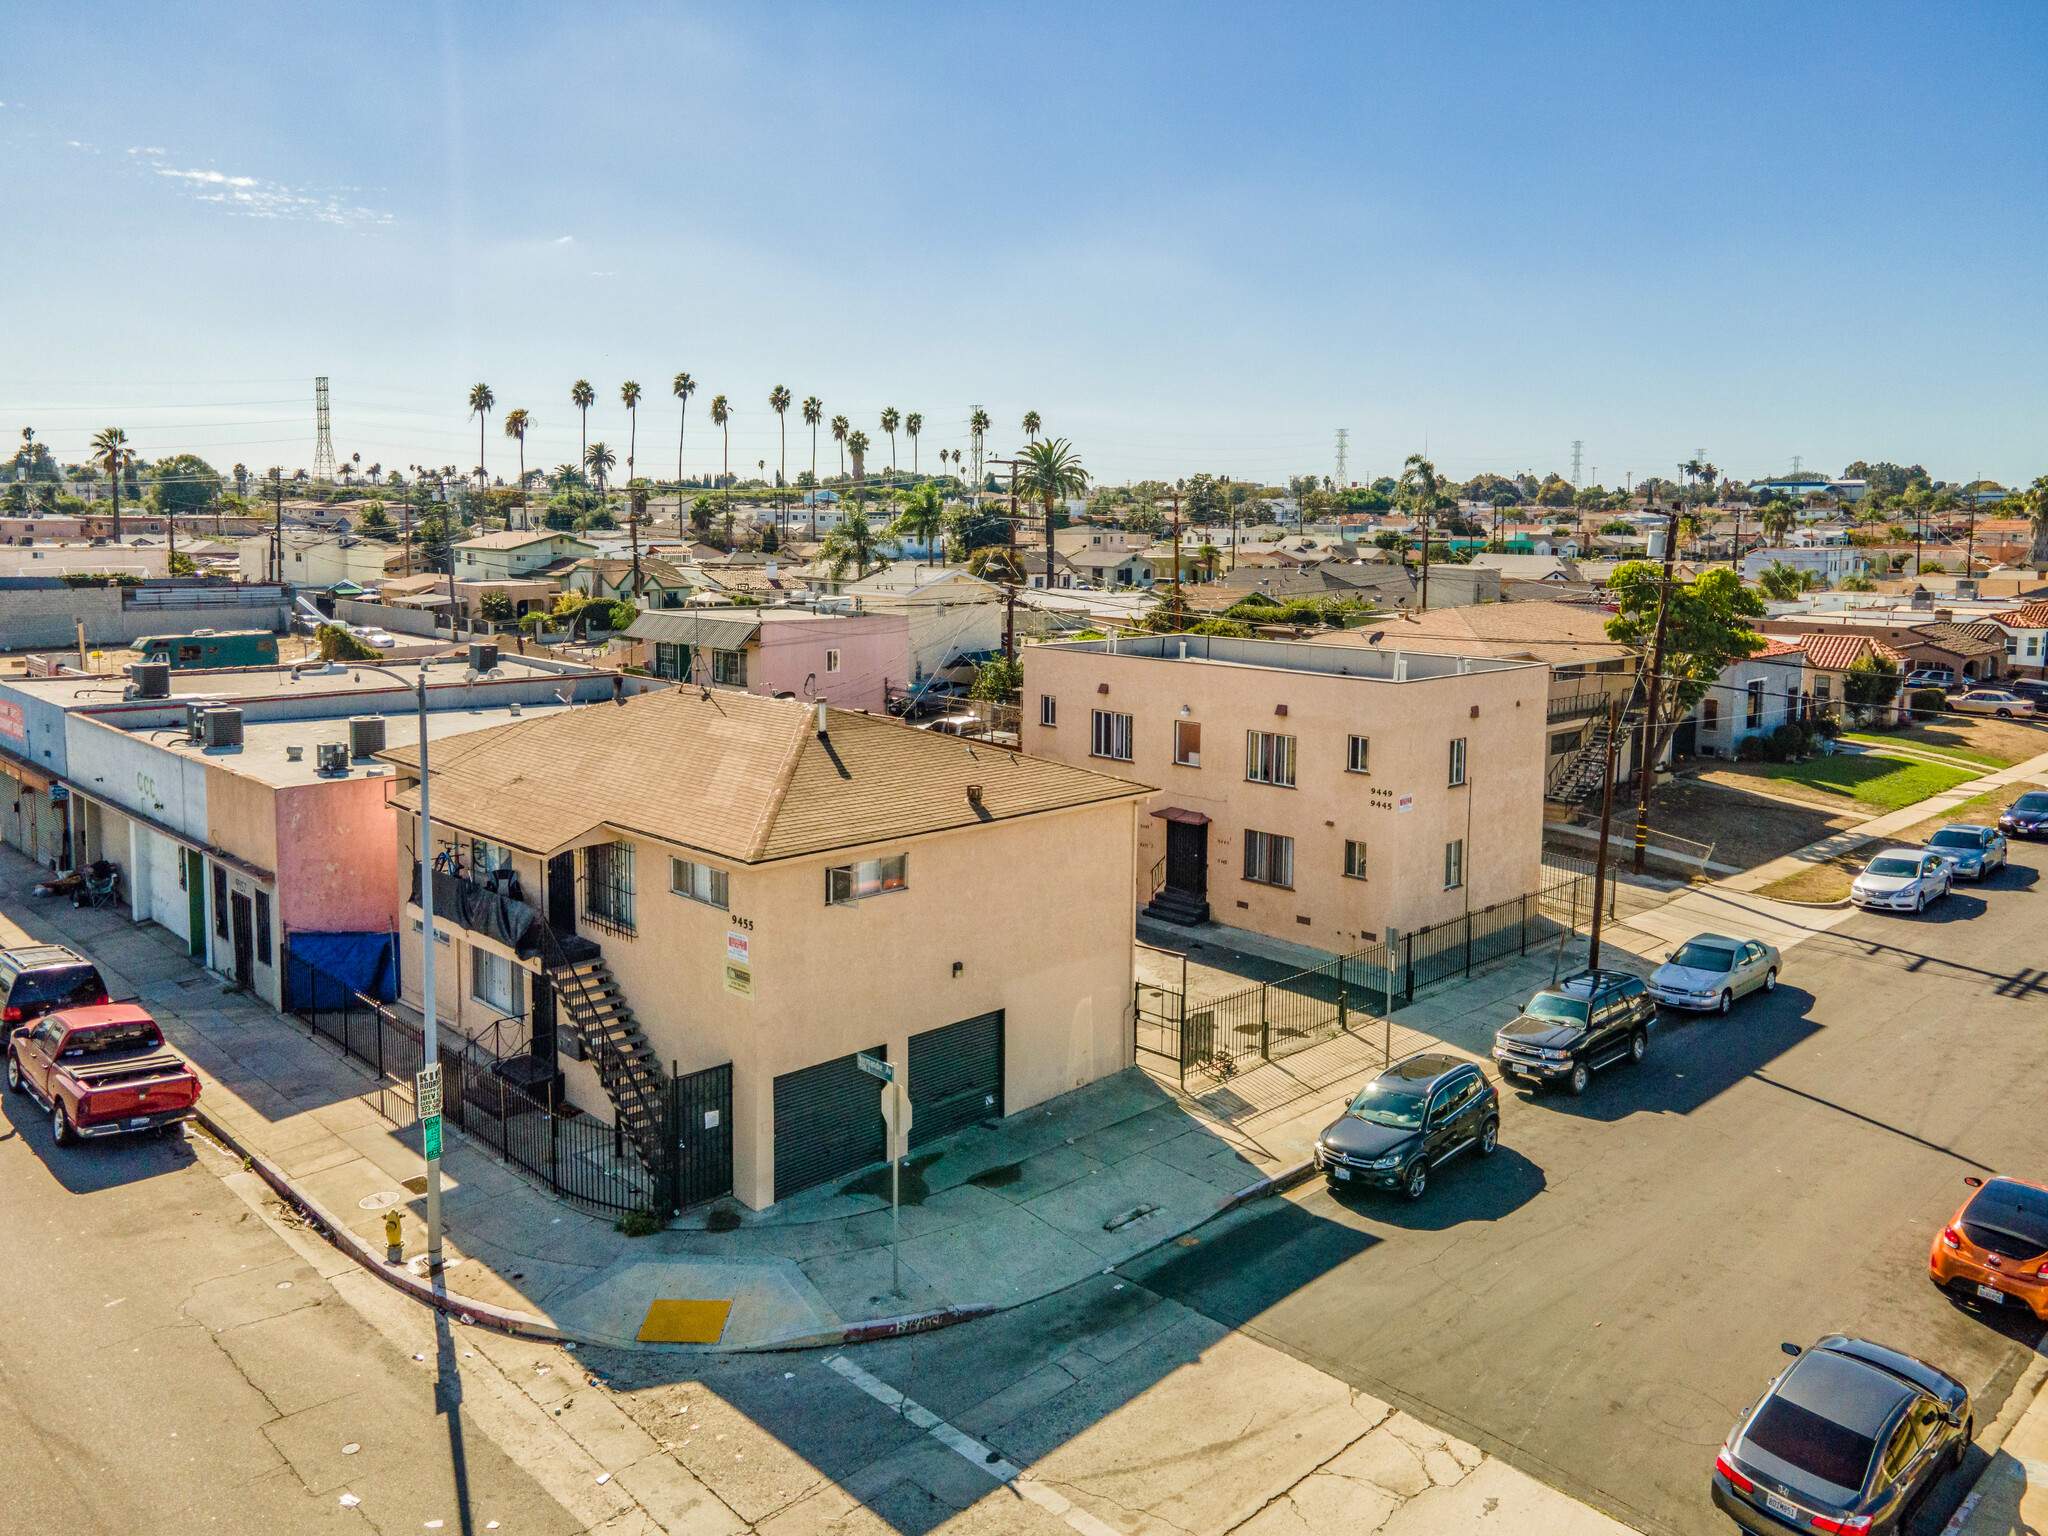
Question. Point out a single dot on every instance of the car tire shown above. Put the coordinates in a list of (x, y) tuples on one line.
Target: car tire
[(1581, 1076), (2005, 714), (1489, 1138), (1727, 1001), (61, 1131), (1771, 980), (1638, 1047), (14, 1082), (1415, 1182), (1920, 902)]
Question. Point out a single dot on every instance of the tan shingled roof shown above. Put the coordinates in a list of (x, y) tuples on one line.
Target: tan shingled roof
[(1559, 633), (733, 774), (511, 538)]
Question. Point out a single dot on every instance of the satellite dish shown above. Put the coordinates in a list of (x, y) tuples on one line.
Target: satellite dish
[(1374, 637)]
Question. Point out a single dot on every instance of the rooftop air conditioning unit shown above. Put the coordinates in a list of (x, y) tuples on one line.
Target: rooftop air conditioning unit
[(482, 657), (331, 757), (223, 728), (195, 720), (365, 736), (152, 679)]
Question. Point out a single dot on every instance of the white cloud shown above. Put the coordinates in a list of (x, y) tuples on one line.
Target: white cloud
[(251, 197), (566, 240)]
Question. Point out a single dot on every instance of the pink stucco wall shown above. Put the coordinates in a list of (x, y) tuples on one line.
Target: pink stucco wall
[(790, 656), (337, 856)]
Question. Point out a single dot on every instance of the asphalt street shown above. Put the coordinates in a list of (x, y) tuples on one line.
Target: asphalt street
[(170, 1364), (1597, 1302)]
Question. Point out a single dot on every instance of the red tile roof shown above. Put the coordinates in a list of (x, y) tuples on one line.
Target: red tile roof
[(1779, 648), (1838, 652), (2031, 616)]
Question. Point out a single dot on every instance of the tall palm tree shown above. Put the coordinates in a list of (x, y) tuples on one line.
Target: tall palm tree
[(1420, 489), (1050, 471), (629, 392), (814, 412), (599, 459), (2035, 503), (890, 422), (1031, 424), (923, 517), (1777, 521), (721, 417), (583, 397), (516, 424), (480, 402), (912, 425), (111, 449), (778, 402), (978, 424), (840, 427), (685, 386), (857, 445)]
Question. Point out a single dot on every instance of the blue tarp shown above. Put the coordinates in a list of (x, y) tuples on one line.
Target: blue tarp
[(323, 964)]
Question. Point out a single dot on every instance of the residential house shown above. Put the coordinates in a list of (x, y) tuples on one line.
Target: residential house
[(1065, 572), (1111, 567), (1753, 697), (1830, 562), (1534, 567), (660, 584), (516, 552), (2026, 638), (1388, 586), (315, 559), (1313, 793), (1829, 656), (822, 889), (850, 659), (1972, 651), (950, 613)]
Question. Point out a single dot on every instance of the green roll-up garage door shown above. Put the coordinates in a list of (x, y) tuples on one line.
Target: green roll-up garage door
[(828, 1122), (956, 1077)]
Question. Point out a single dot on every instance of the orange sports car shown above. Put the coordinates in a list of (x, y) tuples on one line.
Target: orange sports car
[(1996, 1249)]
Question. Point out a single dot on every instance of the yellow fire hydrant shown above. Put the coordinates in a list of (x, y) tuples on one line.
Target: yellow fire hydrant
[(394, 1238)]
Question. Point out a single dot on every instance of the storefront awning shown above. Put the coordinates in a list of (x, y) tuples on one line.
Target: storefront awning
[(1186, 817)]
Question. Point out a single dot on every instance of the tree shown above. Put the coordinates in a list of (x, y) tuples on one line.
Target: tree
[(376, 523), (1618, 528), (1777, 520), (1784, 583), (517, 423), (840, 427), (1031, 424), (1420, 490), (977, 427), (495, 605), (1704, 634), (923, 517), (703, 511), (2035, 502), (1872, 683), (583, 397), (599, 459), (1855, 581), (996, 562), (999, 680), (182, 564), (851, 542), (183, 485), (913, 424), (857, 445), (111, 448), (890, 422), (814, 412), (974, 529), (480, 402), (1144, 518), (1050, 472), (721, 418), (1555, 492), (683, 388), (629, 395)]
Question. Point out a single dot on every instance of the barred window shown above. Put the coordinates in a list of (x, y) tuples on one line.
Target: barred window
[(608, 886), (1112, 736), (1269, 858), (1269, 759)]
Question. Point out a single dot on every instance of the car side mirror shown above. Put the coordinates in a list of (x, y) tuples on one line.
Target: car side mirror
[(1973, 1181), (1790, 1349)]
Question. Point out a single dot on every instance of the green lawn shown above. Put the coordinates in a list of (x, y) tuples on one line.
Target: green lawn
[(1890, 782), (1902, 738)]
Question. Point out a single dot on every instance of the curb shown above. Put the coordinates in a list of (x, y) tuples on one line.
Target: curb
[(1285, 1179), (463, 1309), (1789, 901)]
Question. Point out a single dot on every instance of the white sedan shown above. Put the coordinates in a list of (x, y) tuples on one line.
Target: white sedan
[(1992, 701), (1903, 880), (1709, 972)]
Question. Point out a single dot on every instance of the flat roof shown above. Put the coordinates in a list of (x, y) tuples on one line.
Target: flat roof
[(266, 682), (1363, 662)]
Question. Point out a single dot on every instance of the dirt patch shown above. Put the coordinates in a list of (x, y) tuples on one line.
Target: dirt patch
[(1745, 829), (1826, 881), (1993, 742)]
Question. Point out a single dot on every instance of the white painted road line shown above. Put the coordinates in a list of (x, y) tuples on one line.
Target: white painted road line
[(972, 1450)]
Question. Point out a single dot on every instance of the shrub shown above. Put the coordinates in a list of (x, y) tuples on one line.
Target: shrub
[(496, 606), (1753, 749), (337, 644), (640, 1224), (1927, 703), (1788, 741)]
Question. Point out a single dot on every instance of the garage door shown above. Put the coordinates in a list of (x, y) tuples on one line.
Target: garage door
[(956, 1077), (828, 1122)]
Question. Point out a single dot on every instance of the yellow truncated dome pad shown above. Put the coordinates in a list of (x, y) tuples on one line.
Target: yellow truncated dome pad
[(684, 1322)]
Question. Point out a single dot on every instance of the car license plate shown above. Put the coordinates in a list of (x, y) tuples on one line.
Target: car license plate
[(1778, 1506), (1342, 1173), (140, 1120), (1991, 1293)]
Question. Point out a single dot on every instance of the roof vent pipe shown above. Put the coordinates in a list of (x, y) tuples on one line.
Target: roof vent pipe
[(823, 733)]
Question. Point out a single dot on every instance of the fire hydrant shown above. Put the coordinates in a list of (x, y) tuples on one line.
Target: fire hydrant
[(394, 1238)]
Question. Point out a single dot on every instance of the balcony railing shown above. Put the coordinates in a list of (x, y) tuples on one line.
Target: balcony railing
[(1579, 706), (492, 907)]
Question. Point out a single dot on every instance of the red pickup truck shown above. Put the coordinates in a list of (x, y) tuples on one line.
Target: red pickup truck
[(102, 1072)]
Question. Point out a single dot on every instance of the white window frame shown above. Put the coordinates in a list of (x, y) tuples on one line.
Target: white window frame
[(1457, 761), (699, 882), (1182, 758), (848, 885), (831, 661), (1048, 711), (1354, 859), (1454, 864), (1269, 859), (486, 971), (1269, 759), (1111, 736), (1358, 755)]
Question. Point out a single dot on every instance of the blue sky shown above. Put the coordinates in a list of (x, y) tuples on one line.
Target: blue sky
[(1192, 237)]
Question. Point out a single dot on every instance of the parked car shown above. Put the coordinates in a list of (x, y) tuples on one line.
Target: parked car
[(1903, 880), (1992, 701), (2026, 816), (102, 1072), (2032, 688), (1930, 677), (1996, 1249), (1849, 1438), (39, 977), (1976, 850), (927, 698), (957, 725), (1404, 1122), (1710, 972), (1568, 1032)]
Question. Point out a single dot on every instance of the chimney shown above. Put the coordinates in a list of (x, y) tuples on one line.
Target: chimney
[(823, 733)]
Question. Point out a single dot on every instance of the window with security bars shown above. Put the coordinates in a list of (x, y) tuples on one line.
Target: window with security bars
[(729, 669), (608, 886), (1269, 858), (1111, 736), (1269, 758)]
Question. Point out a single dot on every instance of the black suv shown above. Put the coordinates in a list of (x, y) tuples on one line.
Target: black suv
[(1407, 1120), (1568, 1032), (41, 978)]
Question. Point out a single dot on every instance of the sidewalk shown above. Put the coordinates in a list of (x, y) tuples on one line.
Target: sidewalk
[(2011, 1493)]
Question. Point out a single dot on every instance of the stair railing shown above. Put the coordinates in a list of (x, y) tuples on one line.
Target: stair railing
[(620, 1074)]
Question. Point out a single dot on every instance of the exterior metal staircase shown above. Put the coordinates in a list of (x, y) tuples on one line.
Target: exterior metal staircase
[(1578, 775), (591, 1006)]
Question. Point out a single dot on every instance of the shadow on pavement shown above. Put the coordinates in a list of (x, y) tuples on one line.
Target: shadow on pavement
[(87, 1167), (1467, 1188)]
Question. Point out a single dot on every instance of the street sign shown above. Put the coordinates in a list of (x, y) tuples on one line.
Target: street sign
[(430, 1136), (874, 1066), (427, 1092), (896, 1116)]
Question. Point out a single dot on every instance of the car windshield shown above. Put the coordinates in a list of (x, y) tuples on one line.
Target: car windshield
[(1548, 1005), (2033, 805), (1387, 1104), (1704, 957), (1893, 867), (1817, 1446), (60, 986), (1956, 837)]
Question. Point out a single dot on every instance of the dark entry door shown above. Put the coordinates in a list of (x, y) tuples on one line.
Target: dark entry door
[(956, 1077), (703, 1135), (245, 940), (1187, 857), (562, 892), (828, 1122)]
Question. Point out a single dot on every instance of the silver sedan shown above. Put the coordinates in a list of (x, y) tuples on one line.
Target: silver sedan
[(1709, 971), (1976, 850)]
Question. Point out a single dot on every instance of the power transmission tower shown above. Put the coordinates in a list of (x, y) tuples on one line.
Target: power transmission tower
[(1795, 466), (323, 441), (1578, 453), (1343, 444)]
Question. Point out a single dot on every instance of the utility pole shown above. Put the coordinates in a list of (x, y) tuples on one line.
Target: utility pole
[(1970, 543), (635, 500), (277, 525), (1233, 524), (1179, 615), (1606, 820), (1424, 517), (1649, 748), (430, 1126)]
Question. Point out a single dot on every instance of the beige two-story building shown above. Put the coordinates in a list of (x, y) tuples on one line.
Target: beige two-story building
[(780, 886), (1315, 793)]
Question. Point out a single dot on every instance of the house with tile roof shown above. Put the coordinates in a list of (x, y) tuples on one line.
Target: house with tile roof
[(2026, 638), (771, 888), (1753, 697), (1829, 656), (661, 583)]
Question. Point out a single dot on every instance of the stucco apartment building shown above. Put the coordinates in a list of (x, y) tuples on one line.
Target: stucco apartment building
[(1319, 794), (846, 658), (779, 886)]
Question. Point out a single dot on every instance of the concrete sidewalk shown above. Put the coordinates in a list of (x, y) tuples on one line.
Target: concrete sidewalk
[(2011, 1493)]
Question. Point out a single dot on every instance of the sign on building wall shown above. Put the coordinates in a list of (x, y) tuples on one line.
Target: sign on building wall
[(12, 723), (739, 980), (738, 948)]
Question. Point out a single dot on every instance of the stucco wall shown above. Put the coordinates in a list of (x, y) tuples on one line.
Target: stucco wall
[(791, 655), (337, 863), (241, 816)]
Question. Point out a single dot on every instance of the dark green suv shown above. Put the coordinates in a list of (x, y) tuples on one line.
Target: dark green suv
[(1568, 1032)]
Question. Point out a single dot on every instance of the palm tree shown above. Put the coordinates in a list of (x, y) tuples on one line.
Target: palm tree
[(583, 397), (857, 445), (721, 417), (1777, 521), (912, 425), (1419, 489), (114, 455), (1031, 424), (1050, 471), (978, 424), (840, 427), (685, 386), (480, 401), (516, 424), (851, 542), (814, 412), (2034, 501), (890, 422), (629, 392), (923, 516), (599, 460), (778, 402)]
